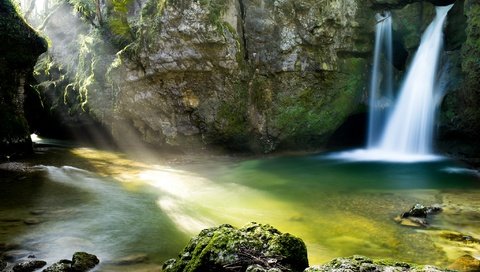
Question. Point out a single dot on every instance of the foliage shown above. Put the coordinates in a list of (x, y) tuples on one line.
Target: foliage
[(86, 8), (118, 24)]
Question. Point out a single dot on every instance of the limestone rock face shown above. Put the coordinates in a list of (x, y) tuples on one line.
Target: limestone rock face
[(228, 73), (254, 247), (19, 50), (243, 74), (459, 126)]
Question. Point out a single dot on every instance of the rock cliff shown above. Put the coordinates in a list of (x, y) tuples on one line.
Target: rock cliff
[(248, 74), (19, 48)]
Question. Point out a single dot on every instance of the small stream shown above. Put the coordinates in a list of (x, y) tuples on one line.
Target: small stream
[(134, 215)]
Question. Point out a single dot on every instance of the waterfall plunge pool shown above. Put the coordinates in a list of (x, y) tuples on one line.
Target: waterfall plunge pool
[(83, 199)]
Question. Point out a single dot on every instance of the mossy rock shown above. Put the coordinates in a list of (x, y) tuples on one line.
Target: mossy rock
[(225, 247), (361, 263), (83, 261), (20, 45)]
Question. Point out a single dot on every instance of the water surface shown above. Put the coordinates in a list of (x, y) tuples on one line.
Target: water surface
[(110, 205)]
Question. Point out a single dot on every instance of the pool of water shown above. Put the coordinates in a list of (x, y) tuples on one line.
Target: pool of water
[(108, 204)]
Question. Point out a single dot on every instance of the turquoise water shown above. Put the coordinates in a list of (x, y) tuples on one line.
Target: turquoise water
[(110, 205)]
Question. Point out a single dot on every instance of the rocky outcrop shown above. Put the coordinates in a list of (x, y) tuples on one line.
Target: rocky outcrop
[(360, 263), (254, 247), (460, 128), (256, 75), (19, 50)]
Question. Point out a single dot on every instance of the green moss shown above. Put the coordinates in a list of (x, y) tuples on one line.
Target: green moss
[(86, 8), (216, 248), (118, 24), (20, 44)]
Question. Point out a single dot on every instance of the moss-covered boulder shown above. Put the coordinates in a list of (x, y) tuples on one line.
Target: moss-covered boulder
[(251, 248), (20, 47), (81, 262), (361, 263)]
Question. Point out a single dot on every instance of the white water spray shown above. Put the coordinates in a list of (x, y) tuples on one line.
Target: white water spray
[(407, 132), (409, 129)]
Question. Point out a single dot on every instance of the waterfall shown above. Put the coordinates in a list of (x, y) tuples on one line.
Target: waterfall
[(403, 132), (381, 89), (409, 128)]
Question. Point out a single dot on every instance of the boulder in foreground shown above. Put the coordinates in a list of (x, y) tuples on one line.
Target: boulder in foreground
[(255, 247)]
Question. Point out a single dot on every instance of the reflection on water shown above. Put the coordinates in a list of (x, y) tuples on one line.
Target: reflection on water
[(104, 203)]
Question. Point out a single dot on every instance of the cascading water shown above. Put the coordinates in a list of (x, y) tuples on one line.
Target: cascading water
[(409, 129), (406, 133), (381, 89)]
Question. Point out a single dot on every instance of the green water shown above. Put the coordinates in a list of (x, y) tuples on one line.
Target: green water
[(110, 205)]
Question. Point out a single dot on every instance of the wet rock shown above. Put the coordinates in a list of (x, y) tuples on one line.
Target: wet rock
[(254, 246), (417, 215), (411, 221), (364, 264), (466, 263), (459, 237), (418, 210), (32, 221), (3, 264), (83, 261), (132, 259), (258, 268), (29, 266), (59, 267)]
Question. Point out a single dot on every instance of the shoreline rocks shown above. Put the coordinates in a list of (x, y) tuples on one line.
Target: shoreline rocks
[(364, 264), (29, 266), (81, 262)]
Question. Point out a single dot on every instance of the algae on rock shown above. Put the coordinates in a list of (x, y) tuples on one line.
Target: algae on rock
[(226, 248)]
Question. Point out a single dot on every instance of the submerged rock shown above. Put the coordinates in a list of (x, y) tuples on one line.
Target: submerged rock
[(459, 237), (417, 215), (131, 259), (466, 263), (32, 221), (29, 266), (363, 264), (255, 247)]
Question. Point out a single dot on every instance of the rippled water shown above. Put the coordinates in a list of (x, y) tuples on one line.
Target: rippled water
[(107, 204)]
